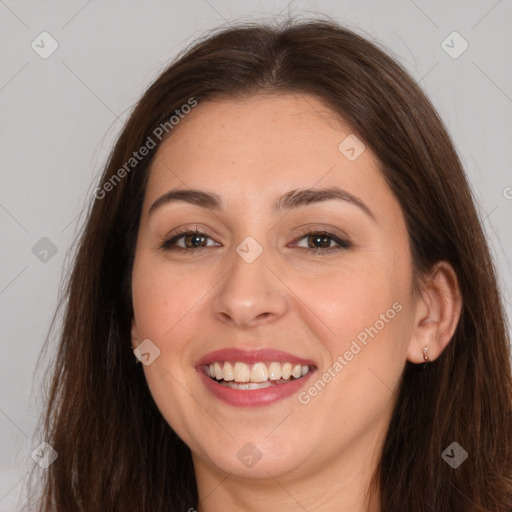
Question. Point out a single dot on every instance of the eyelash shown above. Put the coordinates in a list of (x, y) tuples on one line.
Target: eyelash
[(168, 245)]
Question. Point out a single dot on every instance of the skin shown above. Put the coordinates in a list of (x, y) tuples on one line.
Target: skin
[(319, 455)]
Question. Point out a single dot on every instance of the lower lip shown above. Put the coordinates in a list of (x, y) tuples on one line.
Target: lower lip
[(254, 397)]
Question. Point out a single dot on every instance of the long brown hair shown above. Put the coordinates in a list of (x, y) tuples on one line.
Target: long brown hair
[(115, 450)]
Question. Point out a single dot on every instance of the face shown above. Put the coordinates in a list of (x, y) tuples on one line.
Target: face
[(294, 258)]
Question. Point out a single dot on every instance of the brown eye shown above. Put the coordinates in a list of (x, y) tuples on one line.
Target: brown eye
[(321, 242), (186, 241), (195, 240)]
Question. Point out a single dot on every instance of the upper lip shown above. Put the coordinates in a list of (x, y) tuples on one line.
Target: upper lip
[(252, 356)]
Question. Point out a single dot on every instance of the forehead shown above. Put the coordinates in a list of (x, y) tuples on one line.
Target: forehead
[(247, 150), (262, 127)]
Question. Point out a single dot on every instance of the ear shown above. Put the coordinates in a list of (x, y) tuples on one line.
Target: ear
[(134, 335), (437, 313)]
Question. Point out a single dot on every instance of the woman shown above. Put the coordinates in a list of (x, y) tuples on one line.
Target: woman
[(285, 238)]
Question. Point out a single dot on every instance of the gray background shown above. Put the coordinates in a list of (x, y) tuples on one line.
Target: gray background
[(60, 116)]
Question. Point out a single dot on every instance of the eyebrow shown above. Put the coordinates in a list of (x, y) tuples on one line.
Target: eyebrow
[(292, 199)]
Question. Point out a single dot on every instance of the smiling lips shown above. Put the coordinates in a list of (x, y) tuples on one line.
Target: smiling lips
[(253, 378)]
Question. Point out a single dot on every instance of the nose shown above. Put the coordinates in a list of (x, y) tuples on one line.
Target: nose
[(250, 295)]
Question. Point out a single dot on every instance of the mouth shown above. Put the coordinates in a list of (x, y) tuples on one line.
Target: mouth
[(253, 378), (243, 376)]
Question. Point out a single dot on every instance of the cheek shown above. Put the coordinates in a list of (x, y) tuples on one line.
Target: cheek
[(352, 298), (163, 302), (160, 297), (364, 317)]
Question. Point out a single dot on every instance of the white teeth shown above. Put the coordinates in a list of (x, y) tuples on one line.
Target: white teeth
[(274, 371), (248, 385), (242, 372), (297, 371), (257, 373), (227, 372), (286, 370), (218, 371)]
